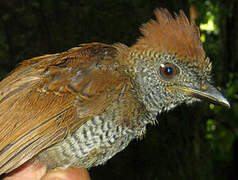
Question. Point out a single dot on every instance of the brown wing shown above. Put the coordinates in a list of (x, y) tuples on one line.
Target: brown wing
[(49, 96)]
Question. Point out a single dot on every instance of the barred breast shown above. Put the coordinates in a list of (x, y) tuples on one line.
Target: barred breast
[(92, 144)]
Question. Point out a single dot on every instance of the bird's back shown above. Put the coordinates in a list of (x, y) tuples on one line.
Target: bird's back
[(65, 95)]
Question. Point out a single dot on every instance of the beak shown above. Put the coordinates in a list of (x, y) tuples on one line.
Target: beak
[(207, 92)]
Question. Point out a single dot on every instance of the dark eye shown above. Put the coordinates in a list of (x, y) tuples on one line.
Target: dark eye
[(168, 71)]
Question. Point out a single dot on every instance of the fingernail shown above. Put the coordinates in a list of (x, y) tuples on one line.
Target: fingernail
[(55, 176)]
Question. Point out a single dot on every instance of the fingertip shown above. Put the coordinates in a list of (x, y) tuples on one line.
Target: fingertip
[(29, 171), (68, 174)]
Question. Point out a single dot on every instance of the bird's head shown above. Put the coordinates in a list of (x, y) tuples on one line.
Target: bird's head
[(168, 64)]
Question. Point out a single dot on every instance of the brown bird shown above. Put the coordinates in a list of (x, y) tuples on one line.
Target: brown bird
[(81, 107)]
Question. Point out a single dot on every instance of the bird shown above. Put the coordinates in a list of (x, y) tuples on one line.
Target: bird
[(82, 106)]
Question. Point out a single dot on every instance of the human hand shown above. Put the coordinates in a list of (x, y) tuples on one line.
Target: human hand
[(36, 171)]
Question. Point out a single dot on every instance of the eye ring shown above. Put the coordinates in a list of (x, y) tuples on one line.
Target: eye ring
[(168, 71)]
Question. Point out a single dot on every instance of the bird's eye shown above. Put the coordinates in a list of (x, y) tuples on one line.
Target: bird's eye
[(168, 71)]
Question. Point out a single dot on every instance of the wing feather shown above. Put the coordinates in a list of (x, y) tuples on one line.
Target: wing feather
[(47, 97)]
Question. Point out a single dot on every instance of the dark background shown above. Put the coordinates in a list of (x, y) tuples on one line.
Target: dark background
[(196, 142)]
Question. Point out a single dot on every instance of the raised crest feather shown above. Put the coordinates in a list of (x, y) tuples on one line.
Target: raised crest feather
[(172, 34)]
